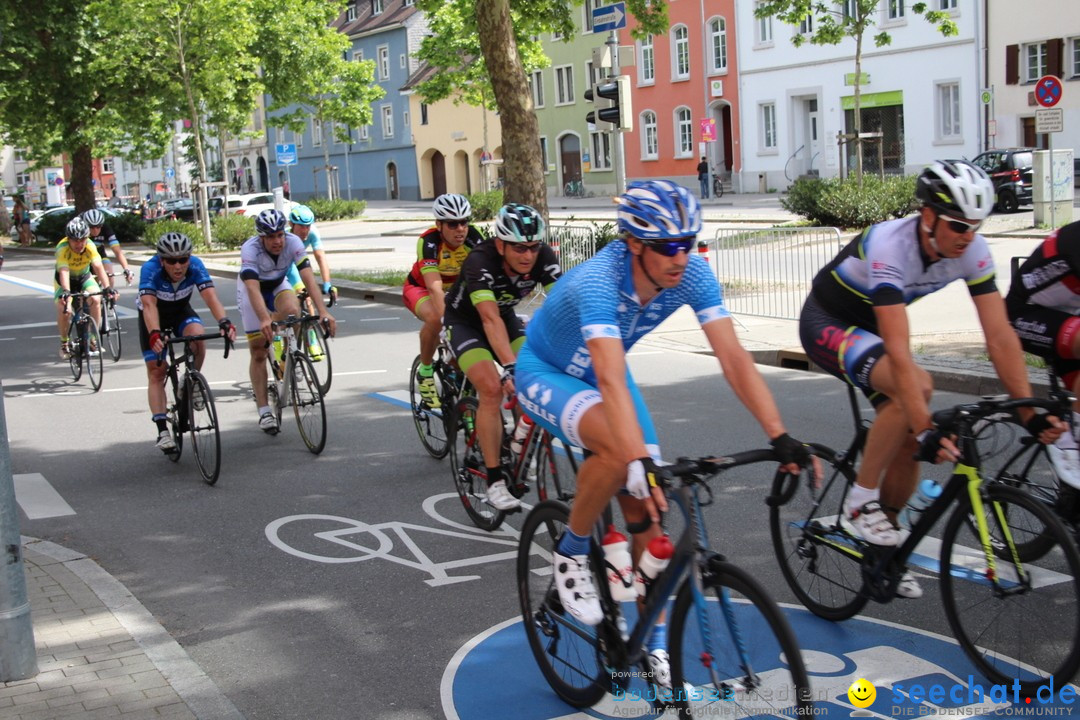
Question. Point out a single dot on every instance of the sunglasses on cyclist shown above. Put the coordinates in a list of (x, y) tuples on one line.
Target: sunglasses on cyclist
[(176, 261), (521, 249), (671, 248), (961, 226), (456, 223)]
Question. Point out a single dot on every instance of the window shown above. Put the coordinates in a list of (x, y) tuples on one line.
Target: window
[(298, 139), (650, 148), (364, 132), (401, 60), (107, 165), (423, 113), (948, 111), (680, 52), (384, 62), (590, 5), (717, 45), (564, 85), (388, 121), (896, 10), (600, 142), (316, 133), (684, 133), (536, 85), (648, 61), (764, 30), (376, 7), (153, 163), (405, 118), (544, 153), (408, 3), (358, 56), (1074, 57), (851, 9), (947, 5), (768, 126), (590, 75), (22, 179), (806, 27), (20, 154), (350, 12), (1034, 61)]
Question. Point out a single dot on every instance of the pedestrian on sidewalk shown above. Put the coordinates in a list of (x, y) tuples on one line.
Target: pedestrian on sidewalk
[(703, 177)]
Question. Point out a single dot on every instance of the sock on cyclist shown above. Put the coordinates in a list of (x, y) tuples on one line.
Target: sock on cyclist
[(657, 638), (159, 420), (425, 370), (571, 544), (263, 409), (859, 496), (494, 475)]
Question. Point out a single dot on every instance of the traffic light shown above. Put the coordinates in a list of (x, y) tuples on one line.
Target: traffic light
[(612, 103)]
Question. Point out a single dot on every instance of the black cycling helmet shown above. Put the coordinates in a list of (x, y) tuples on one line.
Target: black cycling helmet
[(174, 245), (269, 222), (956, 188)]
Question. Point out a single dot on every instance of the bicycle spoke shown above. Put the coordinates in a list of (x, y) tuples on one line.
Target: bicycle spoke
[(93, 354), (430, 423), (202, 424), (308, 404), (467, 468)]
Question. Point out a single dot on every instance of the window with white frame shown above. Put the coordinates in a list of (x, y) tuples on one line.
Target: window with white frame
[(1034, 61), (564, 85), (298, 139), (768, 126), (544, 153), (376, 7), (600, 142), (680, 53), (358, 56), (717, 45), (589, 6), (423, 114), (401, 60), (388, 121), (947, 5), (806, 25), (850, 9), (384, 62), (350, 12), (763, 30), (684, 133), (408, 3), (1074, 57), (650, 145), (536, 85), (363, 134), (107, 165), (21, 179), (316, 133), (590, 75), (405, 118), (948, 102), (20, 154), (895, 10), (647, 63)]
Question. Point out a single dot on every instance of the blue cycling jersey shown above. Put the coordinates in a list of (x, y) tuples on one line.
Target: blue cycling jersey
[(311, 243), (597, 299), (154, 281)]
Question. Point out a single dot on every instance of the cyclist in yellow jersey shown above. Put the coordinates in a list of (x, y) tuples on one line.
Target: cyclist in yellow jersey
[(77, 261)]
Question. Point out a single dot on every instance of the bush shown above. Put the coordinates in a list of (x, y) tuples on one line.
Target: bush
[(485, 205), (154, 231), (129, 227), (843, 204), (230, 231), (52, 227), (336, 209)]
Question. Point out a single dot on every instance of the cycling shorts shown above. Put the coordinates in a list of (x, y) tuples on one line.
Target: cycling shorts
[(1049, 334), (414, 296), (175, 321), (846, 351), (469, 345), (248, 316), (78, 283), (558, 401)]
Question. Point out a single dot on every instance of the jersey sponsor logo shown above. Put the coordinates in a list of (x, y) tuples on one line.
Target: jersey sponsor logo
[(1045, 274), (528, 400), (590, 332)]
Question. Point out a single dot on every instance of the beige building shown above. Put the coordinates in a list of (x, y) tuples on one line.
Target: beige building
[(450, 142)]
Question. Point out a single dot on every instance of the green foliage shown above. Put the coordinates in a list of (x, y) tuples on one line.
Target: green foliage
[(230, 231), (336, 209), (832, 24), (485, 205), (843, 203), (155, 230), (52, 226), (129, 227), (603, 234)]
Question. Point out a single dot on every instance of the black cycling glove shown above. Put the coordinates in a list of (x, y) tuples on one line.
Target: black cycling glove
[(1037, 423), (789, 450), (929, 443)]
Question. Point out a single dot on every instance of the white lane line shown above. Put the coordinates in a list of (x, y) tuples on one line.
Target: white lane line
[(26, 283), (377, 319), (38, 498), (23, 326), (360, 372), (644, 352)]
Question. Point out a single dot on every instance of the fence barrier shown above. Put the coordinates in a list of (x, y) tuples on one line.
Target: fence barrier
[(574, 244), (768, 272)]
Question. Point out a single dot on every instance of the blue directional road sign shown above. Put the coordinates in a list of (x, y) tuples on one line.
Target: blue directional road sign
[(286, 153), (609, 17), (170, 173)]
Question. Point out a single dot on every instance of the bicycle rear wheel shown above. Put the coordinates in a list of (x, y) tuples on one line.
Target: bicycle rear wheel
[(308, 404), (317, 348), (556, 467), (736, 656), (75, 351), (202, 423), (566, 650), (1016, 620), (93, 353), (820, 560), (112, 331), (467, 467), (430, 423)]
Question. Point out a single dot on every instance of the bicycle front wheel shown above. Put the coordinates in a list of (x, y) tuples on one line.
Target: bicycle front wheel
[(92, 354), (467, 467), (317, 349), (308, 404), (75, 352), (736, 655), (820, 560), (176, 430), (430, 423), (202, 423), (112, 334), (566, 650), (1013, 619)]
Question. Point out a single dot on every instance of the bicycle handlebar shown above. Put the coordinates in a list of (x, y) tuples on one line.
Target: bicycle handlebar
[(961, 417), (694, 468), (168, 338)]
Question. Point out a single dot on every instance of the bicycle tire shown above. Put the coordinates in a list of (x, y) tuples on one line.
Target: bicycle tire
[(112, 333), (467, 468), (566, 651), (320, 348), (203, 426), (431, 425), (767, 679), (557, 464), (93, 353), (1012, 629), (172, 422), (75, 360), (718, 188), (819, 559), (308, 405)]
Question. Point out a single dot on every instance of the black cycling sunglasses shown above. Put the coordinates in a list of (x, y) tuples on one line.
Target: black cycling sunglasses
[(176, 261), (961, 226), (671, 248), (456, 223)]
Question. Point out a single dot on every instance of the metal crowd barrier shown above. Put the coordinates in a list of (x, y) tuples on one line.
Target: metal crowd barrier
[(767, 272), (574, 244)]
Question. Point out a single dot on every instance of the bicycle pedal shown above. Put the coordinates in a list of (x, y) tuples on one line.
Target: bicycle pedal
[(519, 490)]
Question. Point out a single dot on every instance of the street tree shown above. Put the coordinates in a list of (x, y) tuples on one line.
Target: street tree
[(835, 20)]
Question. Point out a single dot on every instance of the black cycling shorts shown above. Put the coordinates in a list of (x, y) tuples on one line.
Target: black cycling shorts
[(172, 320), (470, 345), (846, 351)]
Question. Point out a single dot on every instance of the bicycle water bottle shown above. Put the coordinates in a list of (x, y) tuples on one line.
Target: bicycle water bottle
[(652, 562), (924, 496), (619, 566), (279, 348), (522, 430)]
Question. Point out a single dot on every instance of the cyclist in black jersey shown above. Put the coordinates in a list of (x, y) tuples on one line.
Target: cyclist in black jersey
[(104, 238), (481, 326)]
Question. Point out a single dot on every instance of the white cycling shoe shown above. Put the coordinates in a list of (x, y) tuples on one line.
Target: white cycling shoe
[(870, 523), (499, 497), (659, 668), (165, 442), (577, 593)]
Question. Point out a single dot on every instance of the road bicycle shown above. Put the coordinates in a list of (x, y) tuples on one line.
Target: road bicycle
[(574, 188), (84, 341), (192, 408), (110, 323), (717, 186), (539, 461), (315, 341), (434, 425), (732, 650), (1014, 620), (293, 382)]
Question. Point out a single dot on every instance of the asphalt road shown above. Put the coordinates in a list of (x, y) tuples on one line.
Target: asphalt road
[(337, 586)]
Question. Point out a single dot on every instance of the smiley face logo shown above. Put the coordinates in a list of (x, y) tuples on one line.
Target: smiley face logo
[(861, 693)]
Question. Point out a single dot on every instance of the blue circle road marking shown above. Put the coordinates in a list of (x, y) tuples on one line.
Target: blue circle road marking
[(495, 672)]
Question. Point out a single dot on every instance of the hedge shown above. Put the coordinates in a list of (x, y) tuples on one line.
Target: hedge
[(842, 203), (336, 209)]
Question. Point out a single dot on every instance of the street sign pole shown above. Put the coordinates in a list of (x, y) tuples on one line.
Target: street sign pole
[(1048, 92), (620, 155)]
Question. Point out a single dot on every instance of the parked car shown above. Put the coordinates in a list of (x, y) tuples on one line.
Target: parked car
[(70, 209), (1010, 169), (254, 203), (179, 209)]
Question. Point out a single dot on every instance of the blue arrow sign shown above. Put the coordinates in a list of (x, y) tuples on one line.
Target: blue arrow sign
[(609, 17), (286, 153)]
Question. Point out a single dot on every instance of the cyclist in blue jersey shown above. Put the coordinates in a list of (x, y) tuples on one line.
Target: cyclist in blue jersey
[(167, 282), (573, 379), (302, 225)]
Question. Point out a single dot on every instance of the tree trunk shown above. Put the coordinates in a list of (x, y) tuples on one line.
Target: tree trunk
[(82, 179), (520, 129)]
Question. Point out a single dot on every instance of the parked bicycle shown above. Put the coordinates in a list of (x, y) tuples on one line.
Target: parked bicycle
[(293, 382), (192, 408), (717, 186), (1013, 620), (315, 341), (732, 650), (574, 188), (84, 341), (434, 425)]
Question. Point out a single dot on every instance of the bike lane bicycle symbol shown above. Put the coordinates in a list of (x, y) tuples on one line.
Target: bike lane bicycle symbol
[(350, 541)]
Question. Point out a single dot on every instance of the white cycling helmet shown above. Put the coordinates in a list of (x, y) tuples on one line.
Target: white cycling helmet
[(956, 188), (94, 218), (451, 207)]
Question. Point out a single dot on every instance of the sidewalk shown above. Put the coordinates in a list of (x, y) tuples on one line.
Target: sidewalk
[(100, 653)]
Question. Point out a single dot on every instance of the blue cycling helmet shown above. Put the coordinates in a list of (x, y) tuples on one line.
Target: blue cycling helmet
[(301, 215), (269, 222), (658, 210), (518, 223)]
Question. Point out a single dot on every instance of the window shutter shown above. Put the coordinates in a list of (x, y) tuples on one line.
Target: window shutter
[(1054, 48), (1012, 64)]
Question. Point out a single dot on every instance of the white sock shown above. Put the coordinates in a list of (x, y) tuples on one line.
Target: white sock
[(1066, 442), (859, 496)]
